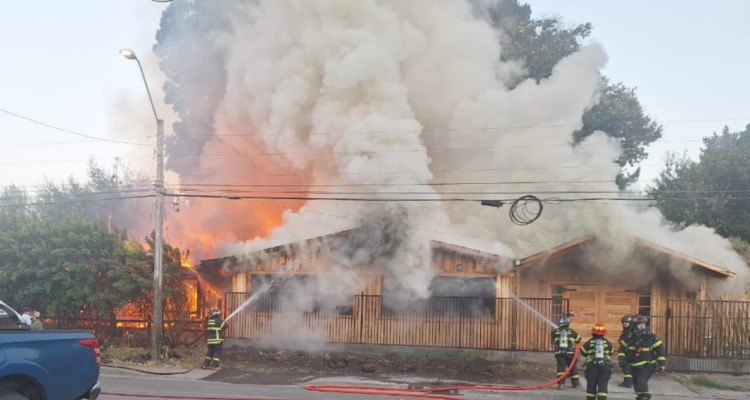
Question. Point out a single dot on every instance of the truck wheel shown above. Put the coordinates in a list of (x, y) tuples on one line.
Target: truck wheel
[(10, 395)]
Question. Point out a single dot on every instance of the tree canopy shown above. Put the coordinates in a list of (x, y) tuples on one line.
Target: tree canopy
[(539, 44), (61, 254), (713, 191)]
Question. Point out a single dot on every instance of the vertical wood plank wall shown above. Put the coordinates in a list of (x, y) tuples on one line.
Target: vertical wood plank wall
[(367, 324)]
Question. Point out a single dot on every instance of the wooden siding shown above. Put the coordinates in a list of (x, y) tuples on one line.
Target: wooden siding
[(593, 296), (368, 325)]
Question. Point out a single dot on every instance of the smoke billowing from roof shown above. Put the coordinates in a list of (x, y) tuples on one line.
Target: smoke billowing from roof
[(390, 92)]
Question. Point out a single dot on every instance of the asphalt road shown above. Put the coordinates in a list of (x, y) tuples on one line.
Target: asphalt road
[(157, 388)]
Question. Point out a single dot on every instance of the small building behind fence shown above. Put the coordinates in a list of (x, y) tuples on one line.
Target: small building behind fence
[(480, 300)]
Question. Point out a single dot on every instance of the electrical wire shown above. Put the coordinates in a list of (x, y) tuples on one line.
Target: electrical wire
[(384, 173), (464, 129), (71, 132), (441, 193), (519, 213), (53, 203), (410, 227)]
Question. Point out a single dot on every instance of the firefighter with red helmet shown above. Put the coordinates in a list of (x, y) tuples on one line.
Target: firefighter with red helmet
[(215, 328), (644, 352), (598, 367), (627, 332), (564, 340)]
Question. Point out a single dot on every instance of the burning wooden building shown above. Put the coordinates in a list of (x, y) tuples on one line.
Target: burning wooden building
[(474, 295)]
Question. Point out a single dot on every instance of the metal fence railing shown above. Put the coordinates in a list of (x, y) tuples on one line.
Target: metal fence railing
[(458, 322), (708, 336)]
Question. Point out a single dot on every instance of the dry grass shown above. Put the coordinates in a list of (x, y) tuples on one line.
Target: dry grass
[(130, 356)]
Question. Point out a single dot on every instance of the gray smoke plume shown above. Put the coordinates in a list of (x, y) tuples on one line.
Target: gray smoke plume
[(395, 92)]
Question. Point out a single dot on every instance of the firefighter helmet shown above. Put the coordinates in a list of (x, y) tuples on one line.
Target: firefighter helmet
[(627, 318), (599, 329), (214, 312), (564, 322), (640, 322)]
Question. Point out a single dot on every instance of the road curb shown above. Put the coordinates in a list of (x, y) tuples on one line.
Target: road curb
[(195, 374)]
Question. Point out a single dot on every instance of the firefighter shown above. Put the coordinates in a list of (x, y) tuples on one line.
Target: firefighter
[(598, 366), (644, 353), (215, 328), (627, 331), (564, 341)]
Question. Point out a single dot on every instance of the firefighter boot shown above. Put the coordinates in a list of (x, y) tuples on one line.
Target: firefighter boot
[(576, 383), (557, 386), (627, 382)]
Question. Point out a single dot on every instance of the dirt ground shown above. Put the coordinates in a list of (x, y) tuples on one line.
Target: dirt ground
[(269, 366)]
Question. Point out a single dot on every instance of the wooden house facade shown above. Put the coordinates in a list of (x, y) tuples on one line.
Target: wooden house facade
[(474, 301)]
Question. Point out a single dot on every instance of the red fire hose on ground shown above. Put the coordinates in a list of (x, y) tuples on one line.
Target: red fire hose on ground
[(370, 390), (378, 391)]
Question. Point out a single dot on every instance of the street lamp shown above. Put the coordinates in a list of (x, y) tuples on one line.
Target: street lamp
[(158, 320)]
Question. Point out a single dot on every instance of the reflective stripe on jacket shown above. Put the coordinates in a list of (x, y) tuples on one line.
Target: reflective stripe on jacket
[(215, 331), (643, 349)]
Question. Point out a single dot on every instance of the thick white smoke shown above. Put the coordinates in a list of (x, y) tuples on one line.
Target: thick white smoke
[(412, 92)]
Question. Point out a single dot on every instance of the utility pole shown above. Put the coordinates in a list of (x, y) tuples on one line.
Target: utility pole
[(158, 311), (158, 244)]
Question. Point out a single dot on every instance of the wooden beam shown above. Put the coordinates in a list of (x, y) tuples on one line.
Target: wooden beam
[(696, 262), (555, 251)]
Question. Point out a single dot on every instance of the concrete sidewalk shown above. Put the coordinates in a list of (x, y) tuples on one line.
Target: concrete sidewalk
[(661, 386)]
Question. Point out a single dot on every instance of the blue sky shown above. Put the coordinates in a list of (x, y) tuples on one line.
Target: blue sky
[(60, 64)]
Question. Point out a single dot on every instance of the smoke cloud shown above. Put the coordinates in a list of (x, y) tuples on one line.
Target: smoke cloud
[(397, 93)]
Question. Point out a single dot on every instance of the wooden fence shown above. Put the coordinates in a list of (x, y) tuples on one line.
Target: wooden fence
[(459, 322), (707, 336)]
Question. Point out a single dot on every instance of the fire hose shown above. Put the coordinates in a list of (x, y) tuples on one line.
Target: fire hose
[(377, 391)]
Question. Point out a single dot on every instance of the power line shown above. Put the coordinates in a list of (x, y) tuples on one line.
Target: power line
[(415, 150), (390, 184), (465, 129), (52, 203), (414, 172), (438, 193), (448, 233), (71, 132), (443, 200)]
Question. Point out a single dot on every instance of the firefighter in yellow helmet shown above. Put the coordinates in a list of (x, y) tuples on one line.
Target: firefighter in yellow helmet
[(215, 328), (598, 366), (564, 340)]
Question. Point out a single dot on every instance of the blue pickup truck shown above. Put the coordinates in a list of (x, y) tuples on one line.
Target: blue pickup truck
[(46, 365)]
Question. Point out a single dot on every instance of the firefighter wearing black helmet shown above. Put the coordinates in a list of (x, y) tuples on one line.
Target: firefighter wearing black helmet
[(627, 332), (565, 340), (644, 353), (215, 328)]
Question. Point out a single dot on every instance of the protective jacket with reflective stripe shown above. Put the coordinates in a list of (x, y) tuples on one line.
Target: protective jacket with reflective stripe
[(625, 336), (215, 330), (643, 349)]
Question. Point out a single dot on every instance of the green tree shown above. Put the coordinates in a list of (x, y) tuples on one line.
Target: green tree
[(712, 191), (620, 115), (60, 254), (540, 44)]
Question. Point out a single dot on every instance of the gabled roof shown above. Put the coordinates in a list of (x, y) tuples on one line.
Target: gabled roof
[(696, 262), (434, 244), (557, 251)]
